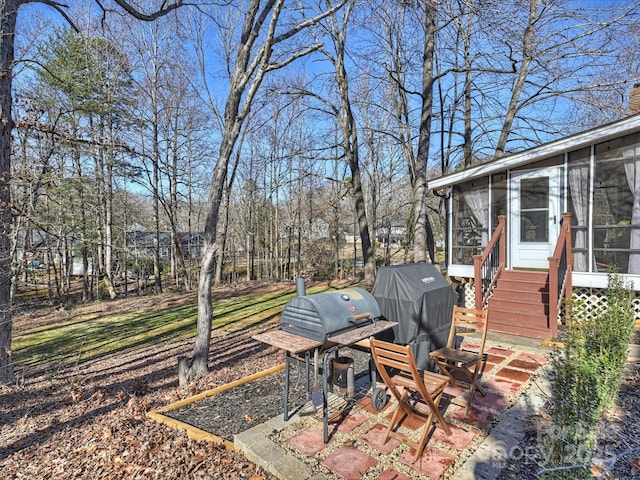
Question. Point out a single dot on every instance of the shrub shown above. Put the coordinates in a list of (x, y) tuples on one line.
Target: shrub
[(587, 375), (608, 337)]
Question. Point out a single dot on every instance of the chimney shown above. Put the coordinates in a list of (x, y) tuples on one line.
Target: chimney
[(634, 100)]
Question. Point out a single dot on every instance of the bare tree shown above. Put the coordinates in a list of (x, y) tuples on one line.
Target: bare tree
[(254, 59), (523, 70), (337, 28), (408, 27), (8, 17)]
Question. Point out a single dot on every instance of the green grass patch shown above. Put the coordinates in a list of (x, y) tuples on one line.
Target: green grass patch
[(90, 337)]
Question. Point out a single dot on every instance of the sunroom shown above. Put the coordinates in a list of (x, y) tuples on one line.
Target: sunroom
[(594, 176)]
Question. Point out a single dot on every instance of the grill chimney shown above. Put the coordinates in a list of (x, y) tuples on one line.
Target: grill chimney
[(634, 100), (301, 289)]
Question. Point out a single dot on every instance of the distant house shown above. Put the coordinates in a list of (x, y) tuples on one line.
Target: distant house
[(393, 231), (594, 176), (140, 243), (33, 248), (320, 229)]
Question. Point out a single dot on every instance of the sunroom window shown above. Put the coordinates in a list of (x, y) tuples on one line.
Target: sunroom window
[(578, 202), (616, 204), (470, 220)]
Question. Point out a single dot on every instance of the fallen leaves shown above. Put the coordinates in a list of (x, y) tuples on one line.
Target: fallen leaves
[(98, 429)]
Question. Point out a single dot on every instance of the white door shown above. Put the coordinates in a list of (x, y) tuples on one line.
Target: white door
[(535, 217)]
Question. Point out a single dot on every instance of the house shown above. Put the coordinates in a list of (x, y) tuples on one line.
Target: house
[(393, 231), (141, 243), (513, 221)]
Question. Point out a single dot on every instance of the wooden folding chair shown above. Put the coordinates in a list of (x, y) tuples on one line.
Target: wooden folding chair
[(397, 367), (461, 366)]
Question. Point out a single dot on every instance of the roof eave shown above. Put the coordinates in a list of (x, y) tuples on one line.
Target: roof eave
[(557, 147)]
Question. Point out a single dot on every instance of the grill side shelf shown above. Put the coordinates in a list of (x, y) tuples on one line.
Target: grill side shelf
[(287, 341), (361, 333)]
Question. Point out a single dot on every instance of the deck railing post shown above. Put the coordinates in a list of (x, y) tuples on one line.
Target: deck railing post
[(553, 295), (502, 220), (562, 255), (477, 280), (568, 287)]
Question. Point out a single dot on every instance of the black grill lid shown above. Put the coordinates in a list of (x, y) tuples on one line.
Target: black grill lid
[(329, 313)]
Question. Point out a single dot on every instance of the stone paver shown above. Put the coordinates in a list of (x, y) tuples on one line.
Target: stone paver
[(491, 400), (309, 441), (517, 376), (351, 422), (375, 438), (501, 352), (500, 385), (392, 474), (350, 463), (479, 418), (292, 468), (459, 438), (524, 364), (433, 462)]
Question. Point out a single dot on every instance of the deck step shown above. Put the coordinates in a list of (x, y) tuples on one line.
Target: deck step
[(520, 304), (520, 307), (518, 323), (526, 275)]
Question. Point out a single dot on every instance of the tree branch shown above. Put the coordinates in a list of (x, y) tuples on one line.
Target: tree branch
[(60, 8)]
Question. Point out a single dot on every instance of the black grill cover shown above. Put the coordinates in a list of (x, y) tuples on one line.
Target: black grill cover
[(421, 300)]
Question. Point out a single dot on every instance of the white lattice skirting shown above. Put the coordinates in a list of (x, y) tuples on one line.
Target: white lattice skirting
[(594, 299)]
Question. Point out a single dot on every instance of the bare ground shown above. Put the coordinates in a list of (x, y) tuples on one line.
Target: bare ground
[(89, 420)]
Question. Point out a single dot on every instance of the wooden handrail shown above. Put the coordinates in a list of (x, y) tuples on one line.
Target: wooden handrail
[(560, 273), (497, 240)]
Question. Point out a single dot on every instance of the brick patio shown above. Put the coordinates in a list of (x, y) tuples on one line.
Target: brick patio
[(356, 449)]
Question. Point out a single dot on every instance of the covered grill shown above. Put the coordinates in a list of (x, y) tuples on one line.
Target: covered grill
[(324, 321), (421, 300), (327, 314)]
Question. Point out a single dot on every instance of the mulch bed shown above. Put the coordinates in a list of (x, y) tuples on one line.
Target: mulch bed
[(618, 438), (237, 409)]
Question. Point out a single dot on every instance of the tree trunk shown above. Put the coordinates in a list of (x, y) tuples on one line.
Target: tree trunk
[(468, 85), (198, 364), (363, 226), (108, 224), (351, 148), (8, 14), (156, 204), (245, 81), (527, 47), (224, 226), (223, 230), (189, 369), (422, 229)]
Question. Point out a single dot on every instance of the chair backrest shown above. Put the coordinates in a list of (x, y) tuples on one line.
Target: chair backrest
[(397, 357), (406, 373), (467, 321)]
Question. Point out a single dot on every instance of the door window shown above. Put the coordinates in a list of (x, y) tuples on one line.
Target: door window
[(534, 209)]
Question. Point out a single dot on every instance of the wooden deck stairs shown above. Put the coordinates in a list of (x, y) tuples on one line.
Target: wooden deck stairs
[(520, 304)]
